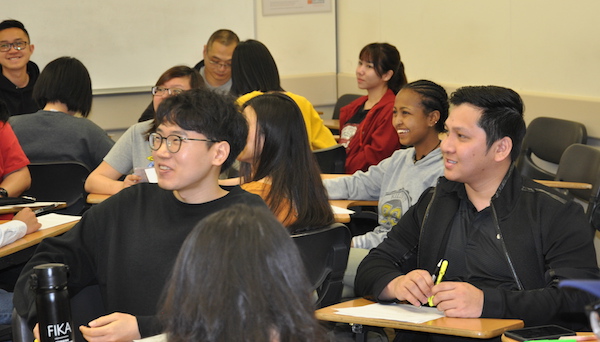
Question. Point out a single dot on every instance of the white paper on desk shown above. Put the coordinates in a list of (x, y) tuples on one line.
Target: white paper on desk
[(395, 312), (151, 175), (53, 220), (340, 210), (30, 205)]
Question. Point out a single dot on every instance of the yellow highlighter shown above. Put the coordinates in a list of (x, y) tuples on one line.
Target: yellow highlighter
[(437, 278)]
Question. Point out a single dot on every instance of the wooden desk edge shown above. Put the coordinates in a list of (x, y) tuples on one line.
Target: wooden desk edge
[(564, 185), (96, 198), (35, 238), (329, 314)]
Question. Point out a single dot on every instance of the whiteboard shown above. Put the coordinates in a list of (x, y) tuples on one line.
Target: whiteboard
[(128, 44)]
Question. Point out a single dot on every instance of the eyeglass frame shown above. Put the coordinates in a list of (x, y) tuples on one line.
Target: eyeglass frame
[(220, 64), (170, 91), (151, 138), (14, 46)]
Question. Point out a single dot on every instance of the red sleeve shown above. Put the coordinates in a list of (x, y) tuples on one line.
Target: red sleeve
[(12, 156)]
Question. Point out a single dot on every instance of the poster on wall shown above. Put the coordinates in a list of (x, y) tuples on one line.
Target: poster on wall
[(276, 7)]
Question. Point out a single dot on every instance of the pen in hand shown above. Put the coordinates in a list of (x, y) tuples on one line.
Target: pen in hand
[(438, 275), (44, 209)]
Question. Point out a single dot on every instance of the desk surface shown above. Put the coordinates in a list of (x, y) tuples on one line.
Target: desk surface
[(35, 238), (331, 123), (508, 339), (466, 327)]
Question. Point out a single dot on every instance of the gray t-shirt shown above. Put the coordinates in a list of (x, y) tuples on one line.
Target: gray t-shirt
[(222, 89), (131, 150)]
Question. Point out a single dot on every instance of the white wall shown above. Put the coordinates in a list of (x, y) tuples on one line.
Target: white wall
[(547, 50)]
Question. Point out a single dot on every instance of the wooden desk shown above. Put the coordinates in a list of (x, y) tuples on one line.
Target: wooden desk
[(466, 327), (96, 198), (35, 238), (508, 339), (564, 185), (332, 123), (16, 208)]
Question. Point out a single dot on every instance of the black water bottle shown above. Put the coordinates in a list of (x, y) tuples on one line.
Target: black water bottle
[(49, 281)]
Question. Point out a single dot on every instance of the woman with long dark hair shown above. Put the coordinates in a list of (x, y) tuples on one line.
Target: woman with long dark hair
[(254, 72), (278, 165), (365, 127), (239, 277)]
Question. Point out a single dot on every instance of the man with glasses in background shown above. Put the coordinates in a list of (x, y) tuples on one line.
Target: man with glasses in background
[(128, 243), (216, 66), (18, 72)]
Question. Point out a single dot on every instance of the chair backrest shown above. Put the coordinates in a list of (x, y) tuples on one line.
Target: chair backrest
[(581, 163), (342, 101), (59, 181), (547, 139), (325, 255), (331, 159)]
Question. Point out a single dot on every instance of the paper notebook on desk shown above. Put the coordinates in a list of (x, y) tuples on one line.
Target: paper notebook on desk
[(339, 210), (31, 205), (53, 220), (393, 312)]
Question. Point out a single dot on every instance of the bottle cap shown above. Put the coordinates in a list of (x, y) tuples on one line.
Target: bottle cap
[(49, 276)]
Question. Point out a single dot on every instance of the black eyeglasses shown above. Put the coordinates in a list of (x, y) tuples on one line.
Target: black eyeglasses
[(162, 91), (173, 142), (4, 47)]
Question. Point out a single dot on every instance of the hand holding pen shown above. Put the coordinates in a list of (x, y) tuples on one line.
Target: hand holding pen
[(437, 276)]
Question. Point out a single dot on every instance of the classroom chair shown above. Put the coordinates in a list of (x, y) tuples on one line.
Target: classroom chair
[(342, 101), (331, 159), (324, 252), (581, 163), (60, 182), (547, 139)]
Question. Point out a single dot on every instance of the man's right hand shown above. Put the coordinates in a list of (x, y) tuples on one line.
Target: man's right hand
[(27, 216), (414, 287)]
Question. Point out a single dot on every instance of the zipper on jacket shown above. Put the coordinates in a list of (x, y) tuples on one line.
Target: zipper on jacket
[(501, 238)]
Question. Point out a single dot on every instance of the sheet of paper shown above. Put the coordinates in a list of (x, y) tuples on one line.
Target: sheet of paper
[(30, 205), (340, 210), (394, 312), (151, 175), (53, 220)]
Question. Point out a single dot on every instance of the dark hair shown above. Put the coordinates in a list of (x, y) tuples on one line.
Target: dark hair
[(4, 115), (253, 68), (433, 97), (65, 80), (214, 115), (286, 158), (223, 36), (11, 23), (239, 277), (196, 80), (385, 57), (502, 113)]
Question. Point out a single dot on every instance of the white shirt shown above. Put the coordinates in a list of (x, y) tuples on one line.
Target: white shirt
[(12, 231)]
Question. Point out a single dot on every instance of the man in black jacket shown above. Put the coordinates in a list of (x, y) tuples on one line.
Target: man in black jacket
[(507, 240)]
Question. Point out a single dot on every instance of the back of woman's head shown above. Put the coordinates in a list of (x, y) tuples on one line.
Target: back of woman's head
[(65, 80), (239, 277), (385, 57), (253, 68), (283, 154), (196, 80), (433, 97)]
